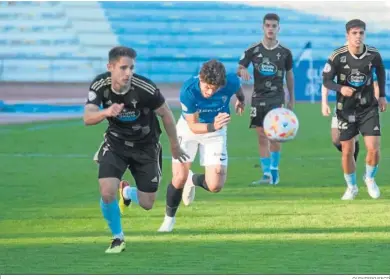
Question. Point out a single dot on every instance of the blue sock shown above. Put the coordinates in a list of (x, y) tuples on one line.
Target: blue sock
[(371, 171), (113, 217), (275, 159), (131, 193), (265, 165), (350, 179)]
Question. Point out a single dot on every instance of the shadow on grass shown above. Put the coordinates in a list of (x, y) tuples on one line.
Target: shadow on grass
[(205, 232), (201, 257)]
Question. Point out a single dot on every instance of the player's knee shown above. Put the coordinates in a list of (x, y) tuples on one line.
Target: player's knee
[(108, 189), (215, 188), (262, 138), (179, 179), (146, 200), (348, 149), (373, 151), (146, 205), (217, 180), (107, 197)]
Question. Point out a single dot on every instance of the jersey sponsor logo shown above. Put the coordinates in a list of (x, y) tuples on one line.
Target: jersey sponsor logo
[(91, 96), (218, 109), (357, 79), (128, 115), (267, 68)]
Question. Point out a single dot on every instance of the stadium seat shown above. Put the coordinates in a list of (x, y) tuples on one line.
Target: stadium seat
[(183, 34)]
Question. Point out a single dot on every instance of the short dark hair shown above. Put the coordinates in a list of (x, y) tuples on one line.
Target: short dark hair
[(120, 51), (355, 23), (213, 72), (271, 16)]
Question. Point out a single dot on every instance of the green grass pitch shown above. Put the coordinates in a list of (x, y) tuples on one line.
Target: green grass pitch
[(50, 221)]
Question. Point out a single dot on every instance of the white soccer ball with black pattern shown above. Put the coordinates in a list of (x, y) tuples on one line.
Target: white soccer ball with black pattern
[(281, 125)]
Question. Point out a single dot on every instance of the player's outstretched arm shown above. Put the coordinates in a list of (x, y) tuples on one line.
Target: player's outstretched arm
[(93, 116), (220, 121), (170, 128), (240, 104)]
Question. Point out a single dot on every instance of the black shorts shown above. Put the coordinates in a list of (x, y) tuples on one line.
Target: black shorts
[(368, 124), (143, 160), (258, 113)]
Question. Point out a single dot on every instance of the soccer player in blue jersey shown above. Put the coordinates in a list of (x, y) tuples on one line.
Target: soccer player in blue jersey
[(205, 101)]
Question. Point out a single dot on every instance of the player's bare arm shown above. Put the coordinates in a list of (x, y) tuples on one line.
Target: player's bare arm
[(170, 127), (324, 101), (240, 103), (376, 90), (243, 73), (221, 120), (381, 74), (290, 88), (93, 115)]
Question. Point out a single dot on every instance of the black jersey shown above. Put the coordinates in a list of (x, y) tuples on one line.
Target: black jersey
[(356, 72), (269, 69), (137, 122)]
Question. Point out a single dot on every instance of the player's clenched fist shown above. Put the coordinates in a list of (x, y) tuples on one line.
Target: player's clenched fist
[(221, 120), (347, 91), (114, 110)]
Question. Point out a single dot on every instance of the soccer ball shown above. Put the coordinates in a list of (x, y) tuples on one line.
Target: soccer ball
[(281, 125)]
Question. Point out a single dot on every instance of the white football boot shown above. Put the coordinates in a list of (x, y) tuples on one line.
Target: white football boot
[(350, 193), (188, 195)]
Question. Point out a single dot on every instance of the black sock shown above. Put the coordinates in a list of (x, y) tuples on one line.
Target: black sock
[(356, 150), (173, 200), (338, 146), (200, 180)]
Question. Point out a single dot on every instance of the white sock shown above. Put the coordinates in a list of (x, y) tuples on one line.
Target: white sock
[(121, 236), (130, 193)]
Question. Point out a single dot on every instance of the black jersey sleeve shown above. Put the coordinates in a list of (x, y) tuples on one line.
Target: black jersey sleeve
[(289, 61), (328, 74), (95, 94), (381, 73), (156, 100), (245, 58)]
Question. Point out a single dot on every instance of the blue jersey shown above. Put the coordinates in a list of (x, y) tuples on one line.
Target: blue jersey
[(192, 100)]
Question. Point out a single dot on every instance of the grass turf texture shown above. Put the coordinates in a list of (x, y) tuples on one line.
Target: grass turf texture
[(51, 221)]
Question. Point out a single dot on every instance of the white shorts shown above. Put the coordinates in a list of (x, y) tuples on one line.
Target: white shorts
[(334, 124), (212, 146)]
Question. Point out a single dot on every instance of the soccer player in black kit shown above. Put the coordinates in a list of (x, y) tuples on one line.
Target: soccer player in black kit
[(272, 62), (130, 104), (356, 105)]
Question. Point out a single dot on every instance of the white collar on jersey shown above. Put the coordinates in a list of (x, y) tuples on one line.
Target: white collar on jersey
[(271, 48), (365, 49), (124, 91)]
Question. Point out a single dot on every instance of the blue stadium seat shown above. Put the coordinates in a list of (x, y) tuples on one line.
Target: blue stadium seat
[(171, 38)]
